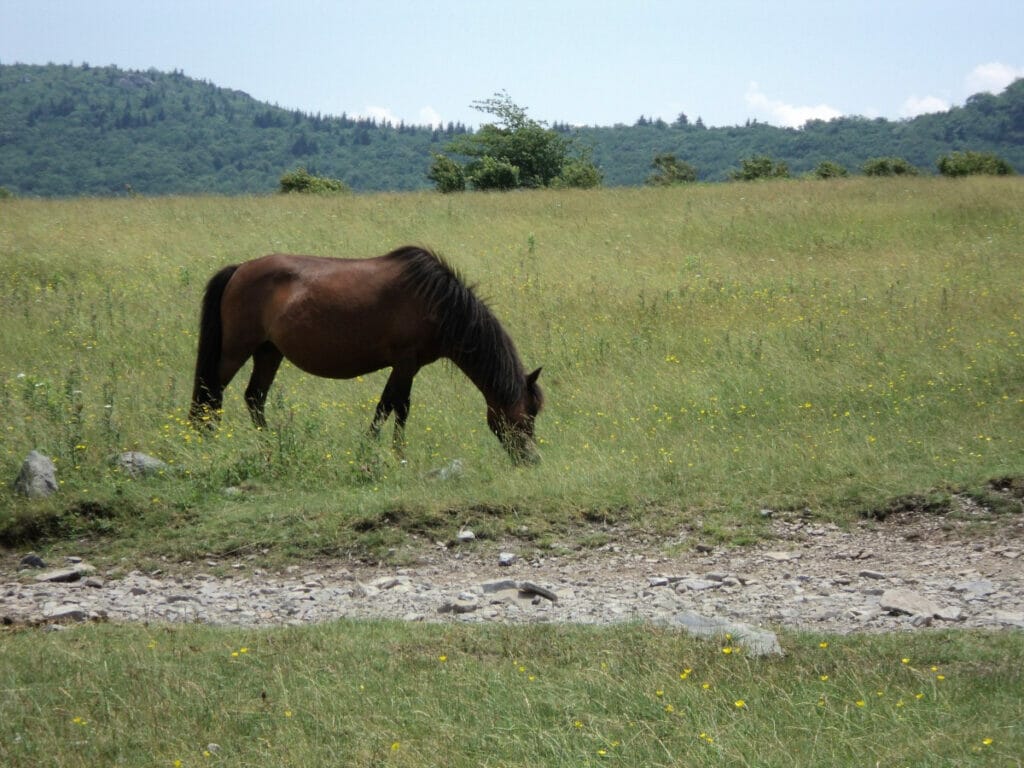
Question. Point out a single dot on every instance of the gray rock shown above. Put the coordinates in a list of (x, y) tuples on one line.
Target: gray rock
[(535, 589), (32, 560), (876, 575), (137, 464), (38, 476), (979, 588), (65, 575), (507, 558), (757, 642), (904, 601), (66, 613)]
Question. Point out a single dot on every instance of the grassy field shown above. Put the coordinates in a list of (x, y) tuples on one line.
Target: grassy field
[(707, 351), (848, 347), (398, 694)]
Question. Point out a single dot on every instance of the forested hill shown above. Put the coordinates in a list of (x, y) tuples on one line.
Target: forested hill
[(70, 130)]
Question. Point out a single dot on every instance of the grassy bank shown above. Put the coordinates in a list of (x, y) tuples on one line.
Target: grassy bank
[(707, 351), (424, 695)]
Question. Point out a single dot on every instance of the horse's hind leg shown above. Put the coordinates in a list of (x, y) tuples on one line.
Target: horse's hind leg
[(265, 362)]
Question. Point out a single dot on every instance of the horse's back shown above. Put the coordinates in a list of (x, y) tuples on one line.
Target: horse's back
[(331, 317)]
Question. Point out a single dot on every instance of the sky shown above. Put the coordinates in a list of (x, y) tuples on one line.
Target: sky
[(582, 62)]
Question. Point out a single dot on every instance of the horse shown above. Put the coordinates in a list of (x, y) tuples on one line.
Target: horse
[(342, 318)]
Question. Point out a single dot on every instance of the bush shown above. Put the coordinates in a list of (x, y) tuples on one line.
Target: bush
[(974, 163), (489, 173), (447, 174), (829, 170), (670, 171), (888, 166), (760, 167), (302, 181), (579, 173)]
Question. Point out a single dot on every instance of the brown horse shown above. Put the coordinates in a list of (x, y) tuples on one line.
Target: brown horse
[(341, 318)]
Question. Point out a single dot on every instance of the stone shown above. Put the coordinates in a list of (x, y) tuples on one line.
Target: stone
[(465, 535), (534, 589), (32, 560), (905, 601), (757, 642), (782, 557), (867, 574), (65, 575), (507, 558), (137, 464), (66, 613), (38, 476)]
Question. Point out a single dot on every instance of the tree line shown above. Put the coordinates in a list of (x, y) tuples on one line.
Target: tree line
[(71, 130)]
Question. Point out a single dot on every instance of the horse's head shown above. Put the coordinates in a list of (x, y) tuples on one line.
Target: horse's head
[(513, 424)]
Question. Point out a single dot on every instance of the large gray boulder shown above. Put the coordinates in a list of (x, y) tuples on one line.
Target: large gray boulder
[(38, 476)]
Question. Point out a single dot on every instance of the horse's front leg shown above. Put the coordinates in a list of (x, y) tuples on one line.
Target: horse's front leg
[(396, 397)]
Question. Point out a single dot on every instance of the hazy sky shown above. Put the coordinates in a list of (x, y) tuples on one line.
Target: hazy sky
[(594, 62)]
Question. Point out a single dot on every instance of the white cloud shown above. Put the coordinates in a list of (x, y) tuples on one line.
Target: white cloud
[(382, 114), (789, 115), (992, 77), (430, 116), (923, 105)]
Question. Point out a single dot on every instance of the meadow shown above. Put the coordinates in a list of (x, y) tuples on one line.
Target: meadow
[(708, 351), (847, 348)]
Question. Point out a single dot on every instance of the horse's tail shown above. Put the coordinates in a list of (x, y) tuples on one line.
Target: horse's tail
[(207, 391)]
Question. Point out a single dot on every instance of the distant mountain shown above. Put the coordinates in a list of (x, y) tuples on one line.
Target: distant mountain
[(79, 130)]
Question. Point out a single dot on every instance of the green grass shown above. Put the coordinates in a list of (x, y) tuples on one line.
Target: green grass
[(424, 695), (707, 351), (850, 347)]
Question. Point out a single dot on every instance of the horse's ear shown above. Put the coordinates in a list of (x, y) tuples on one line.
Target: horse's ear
[(532, 378)]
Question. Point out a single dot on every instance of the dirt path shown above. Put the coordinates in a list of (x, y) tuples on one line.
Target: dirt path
[(908, 572)]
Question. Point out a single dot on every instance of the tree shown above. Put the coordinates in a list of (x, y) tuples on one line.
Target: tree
[(760, 167), (888, 166), (670, 171), (974, 163), (515, 151)]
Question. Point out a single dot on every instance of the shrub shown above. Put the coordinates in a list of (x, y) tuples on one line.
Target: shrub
[(670, 171), (829, 170), (760, 167), (974, 163), (888, 166), (302, 181), (447, 174)]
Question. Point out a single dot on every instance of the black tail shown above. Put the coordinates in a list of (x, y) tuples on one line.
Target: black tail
[(206, 392)]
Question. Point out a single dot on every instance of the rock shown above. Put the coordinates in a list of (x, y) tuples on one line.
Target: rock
[(533, 589), (757, 642), (876, 575), (1012, 618), (657, 581), (32, 560), (782, 557), (904, 601), (507, 558), (38, 476), (696, 585), (453, 469), (466, 535), (65, 575), (66, 613), (137, 464), (980, 588)]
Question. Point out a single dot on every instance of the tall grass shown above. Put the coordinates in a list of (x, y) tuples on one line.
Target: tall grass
[(707, 351)]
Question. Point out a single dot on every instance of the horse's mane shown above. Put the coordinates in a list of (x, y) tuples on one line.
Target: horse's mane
[(470, 334)]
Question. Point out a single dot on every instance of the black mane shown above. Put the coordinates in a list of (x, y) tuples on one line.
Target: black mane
[(470, 334)]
